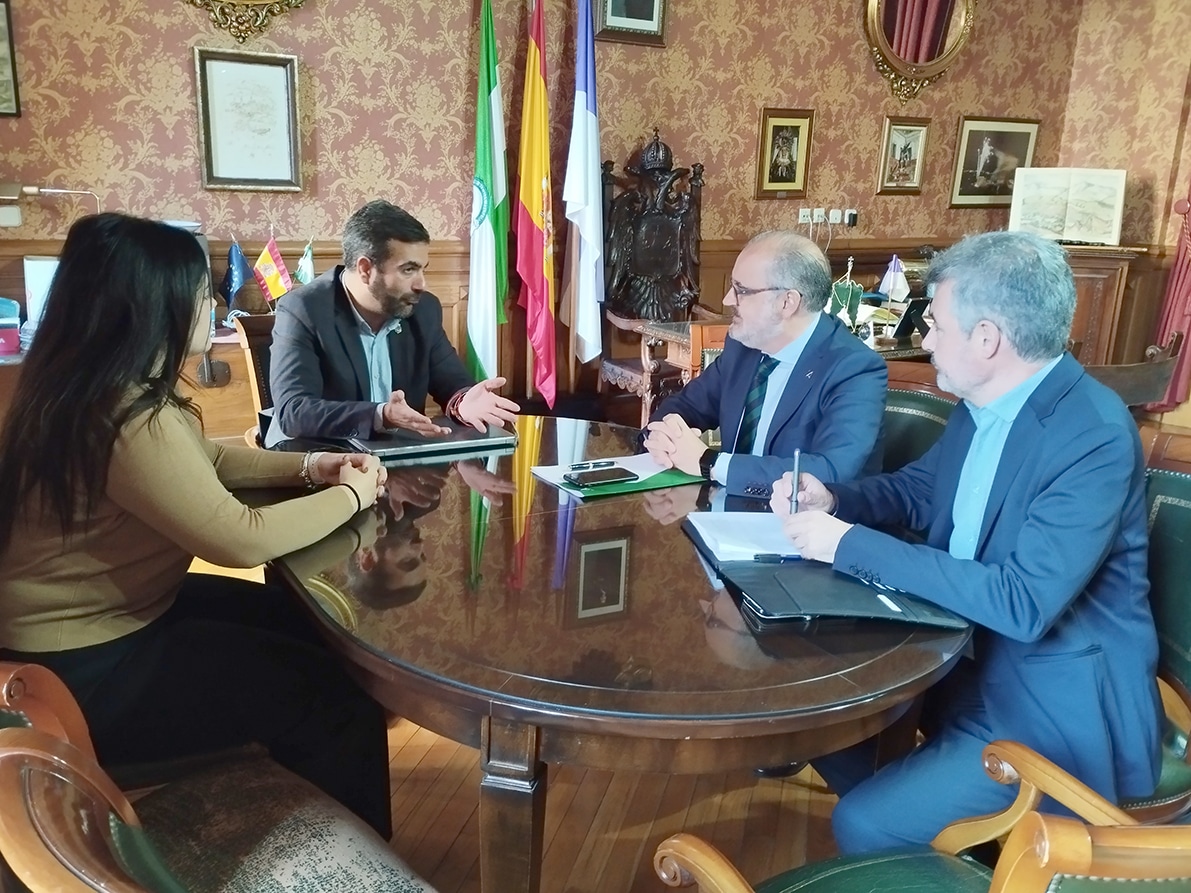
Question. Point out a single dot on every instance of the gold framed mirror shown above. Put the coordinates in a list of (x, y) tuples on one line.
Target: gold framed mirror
[(244, 18), (927, 48)]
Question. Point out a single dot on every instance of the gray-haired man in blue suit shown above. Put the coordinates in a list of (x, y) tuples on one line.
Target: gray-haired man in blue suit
[(1034, 499)]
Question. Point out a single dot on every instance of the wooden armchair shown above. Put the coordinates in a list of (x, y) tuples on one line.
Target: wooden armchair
[(256, 337), (651, 241), (1101, 852), (246, 824), (1141, 383)]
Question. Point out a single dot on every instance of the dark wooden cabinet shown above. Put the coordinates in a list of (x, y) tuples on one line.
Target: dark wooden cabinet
[(1100, 275)]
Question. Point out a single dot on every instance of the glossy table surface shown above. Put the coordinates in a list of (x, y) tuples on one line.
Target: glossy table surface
[(585, 632)]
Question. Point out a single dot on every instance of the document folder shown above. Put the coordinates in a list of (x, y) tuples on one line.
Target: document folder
[(777, 596)]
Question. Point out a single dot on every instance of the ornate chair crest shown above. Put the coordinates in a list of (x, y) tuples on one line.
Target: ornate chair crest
[(652, 236), (651, 241)]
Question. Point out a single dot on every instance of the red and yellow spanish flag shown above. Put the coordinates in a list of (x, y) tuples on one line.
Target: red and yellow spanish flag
[(270, 272), (534, 227)]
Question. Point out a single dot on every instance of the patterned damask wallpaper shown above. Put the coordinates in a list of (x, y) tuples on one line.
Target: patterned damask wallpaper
[(387, 94)]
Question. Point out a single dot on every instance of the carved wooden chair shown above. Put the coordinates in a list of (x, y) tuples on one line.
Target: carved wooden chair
[(1102, 851), (256, 337), (244, 825), (651, 240), (1146, 382)]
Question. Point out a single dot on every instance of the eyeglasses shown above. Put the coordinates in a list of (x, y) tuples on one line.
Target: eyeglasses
[(744, 292)]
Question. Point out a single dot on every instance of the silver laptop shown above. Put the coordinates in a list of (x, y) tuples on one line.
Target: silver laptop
[(392, 446)]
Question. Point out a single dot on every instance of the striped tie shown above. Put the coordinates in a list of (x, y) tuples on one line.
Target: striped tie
[(752, 406)]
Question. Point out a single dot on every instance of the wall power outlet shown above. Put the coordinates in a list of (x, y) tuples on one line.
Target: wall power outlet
[(820, 215), (804, 215)]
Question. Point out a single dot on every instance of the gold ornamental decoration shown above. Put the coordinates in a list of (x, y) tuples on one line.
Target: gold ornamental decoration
[(244, 18)]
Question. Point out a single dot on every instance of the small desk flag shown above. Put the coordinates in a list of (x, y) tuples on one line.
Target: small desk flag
[(894, 282), (237, 274), (305, 271), (271, 274)]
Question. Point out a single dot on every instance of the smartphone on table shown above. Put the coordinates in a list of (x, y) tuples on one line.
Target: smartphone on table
[(584, 479)]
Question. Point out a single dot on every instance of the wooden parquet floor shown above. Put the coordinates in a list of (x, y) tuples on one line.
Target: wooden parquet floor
[(601, 827)]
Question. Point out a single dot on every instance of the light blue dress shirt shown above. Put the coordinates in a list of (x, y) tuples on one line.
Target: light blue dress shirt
[(786, 358), (380, 365), (993, 422)]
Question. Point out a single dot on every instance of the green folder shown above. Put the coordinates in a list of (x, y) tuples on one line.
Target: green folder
[(671, 477)]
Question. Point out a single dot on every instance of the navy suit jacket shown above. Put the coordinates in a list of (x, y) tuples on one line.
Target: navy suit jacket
[(318, 374), (831, 409), (1065, 646)]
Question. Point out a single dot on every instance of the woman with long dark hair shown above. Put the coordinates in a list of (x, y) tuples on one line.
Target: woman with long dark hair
[(107, 492)]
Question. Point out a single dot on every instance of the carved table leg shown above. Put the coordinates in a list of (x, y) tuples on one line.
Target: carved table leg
[(512, 807)]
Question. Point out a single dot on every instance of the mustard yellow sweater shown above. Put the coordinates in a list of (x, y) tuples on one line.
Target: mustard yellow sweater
[(167, 501)]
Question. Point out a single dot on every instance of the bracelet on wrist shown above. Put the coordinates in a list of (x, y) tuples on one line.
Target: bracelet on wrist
[(304, 472)]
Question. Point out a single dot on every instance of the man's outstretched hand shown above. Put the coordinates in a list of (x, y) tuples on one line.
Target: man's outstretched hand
[(481, 406)]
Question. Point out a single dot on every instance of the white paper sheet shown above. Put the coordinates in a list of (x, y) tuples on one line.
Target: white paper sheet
[(740, 536)]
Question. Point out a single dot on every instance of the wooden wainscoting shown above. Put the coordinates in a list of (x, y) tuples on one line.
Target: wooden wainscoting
[(1120, 292)]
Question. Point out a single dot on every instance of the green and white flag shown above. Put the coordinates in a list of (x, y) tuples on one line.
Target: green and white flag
[(488, 276), (305, 271)]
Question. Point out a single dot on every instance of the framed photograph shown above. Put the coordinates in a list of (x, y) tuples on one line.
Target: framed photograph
[(902, 153), (988, 153), (599, 586), (631, 21), (10, 97), (784, 152), (248, 120)]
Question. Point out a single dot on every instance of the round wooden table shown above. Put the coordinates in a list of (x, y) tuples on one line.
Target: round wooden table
[(545, 630)]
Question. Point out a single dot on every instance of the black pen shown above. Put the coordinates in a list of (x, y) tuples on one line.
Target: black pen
[(586, 466), (774, 558)]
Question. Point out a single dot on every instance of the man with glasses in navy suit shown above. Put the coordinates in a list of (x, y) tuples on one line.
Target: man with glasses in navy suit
[(790, 377)]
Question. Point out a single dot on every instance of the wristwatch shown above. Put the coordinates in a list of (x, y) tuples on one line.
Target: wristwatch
[(706, 461)]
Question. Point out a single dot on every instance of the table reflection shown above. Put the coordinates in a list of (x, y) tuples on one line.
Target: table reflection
[(477, 572)]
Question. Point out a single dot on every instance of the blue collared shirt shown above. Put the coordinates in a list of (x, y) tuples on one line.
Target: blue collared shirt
[(376, 355), (993, 422), (786, 358)]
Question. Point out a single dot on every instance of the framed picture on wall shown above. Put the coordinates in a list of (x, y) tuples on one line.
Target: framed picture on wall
[(599, 586), (902, 152), (784, 152), (631, 21), (988, 153), (248, 120), (10, 97)]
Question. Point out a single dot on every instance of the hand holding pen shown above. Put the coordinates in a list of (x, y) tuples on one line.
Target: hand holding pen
[(808, 495)]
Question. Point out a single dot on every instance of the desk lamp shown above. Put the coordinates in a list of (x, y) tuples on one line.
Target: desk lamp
[(13, 192)]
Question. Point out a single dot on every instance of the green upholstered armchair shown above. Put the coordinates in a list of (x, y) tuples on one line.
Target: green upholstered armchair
[(1103, 851), (243, 826), (1168, 493), (916, 411)]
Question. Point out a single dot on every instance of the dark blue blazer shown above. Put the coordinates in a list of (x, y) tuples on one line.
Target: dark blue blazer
[(1065, 647), (831, 409), (318, 374)]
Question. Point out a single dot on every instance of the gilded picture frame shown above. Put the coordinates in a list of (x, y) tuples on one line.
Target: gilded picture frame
[(987, 155), (783, 153), (248, 120), (631, 21), (10, 95), (903, 155)]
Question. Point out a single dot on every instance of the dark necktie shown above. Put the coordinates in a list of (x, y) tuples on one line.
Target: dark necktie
[(752, 406)]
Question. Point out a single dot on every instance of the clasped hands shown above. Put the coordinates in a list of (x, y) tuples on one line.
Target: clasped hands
[(675, 444), (360, 471), (814, 530), (480, 407)]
